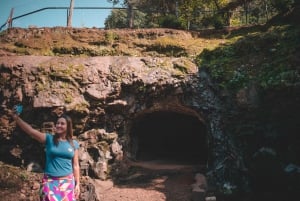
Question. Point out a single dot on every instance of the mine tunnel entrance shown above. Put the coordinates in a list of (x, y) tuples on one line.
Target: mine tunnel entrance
[(171, 137)]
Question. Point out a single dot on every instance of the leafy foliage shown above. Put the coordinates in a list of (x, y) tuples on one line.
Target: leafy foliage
[(118, 19), (170, 21), (282, 5), (196, 14), (268, 59)]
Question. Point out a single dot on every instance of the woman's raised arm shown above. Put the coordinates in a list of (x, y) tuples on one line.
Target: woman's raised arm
[(36, 134)]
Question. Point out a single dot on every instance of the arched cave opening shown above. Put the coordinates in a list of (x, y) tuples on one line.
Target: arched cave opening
[(170, 137)]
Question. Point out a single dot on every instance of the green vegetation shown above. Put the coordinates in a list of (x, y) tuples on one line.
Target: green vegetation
[(168, 46), (194, 14), (110, 37), (12, 177), (268, 58), (68, 98)]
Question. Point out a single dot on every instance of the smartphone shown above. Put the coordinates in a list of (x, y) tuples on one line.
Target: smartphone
[(18, 109)]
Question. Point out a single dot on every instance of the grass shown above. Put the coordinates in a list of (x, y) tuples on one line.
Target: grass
[(95, 42), (267, 58), (11, 178)]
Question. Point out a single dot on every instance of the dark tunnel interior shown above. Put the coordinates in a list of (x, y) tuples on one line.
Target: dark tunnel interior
[(170, 136)]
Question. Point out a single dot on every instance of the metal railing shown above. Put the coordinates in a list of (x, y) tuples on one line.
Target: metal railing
[(10, 20)]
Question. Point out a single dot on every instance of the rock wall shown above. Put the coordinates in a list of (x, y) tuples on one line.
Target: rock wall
[(104, 95)]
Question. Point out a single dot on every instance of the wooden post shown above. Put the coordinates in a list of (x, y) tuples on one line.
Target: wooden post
[(70, 14), (9, 20)]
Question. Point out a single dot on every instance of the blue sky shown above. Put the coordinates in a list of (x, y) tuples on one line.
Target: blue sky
[(57, 17)]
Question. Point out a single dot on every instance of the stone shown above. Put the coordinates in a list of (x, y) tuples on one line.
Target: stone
[(211, 198), (199, 188), (34, 167), (35, 185), (201, 184)]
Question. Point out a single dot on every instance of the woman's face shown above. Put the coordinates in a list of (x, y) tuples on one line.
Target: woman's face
[(61, 126)]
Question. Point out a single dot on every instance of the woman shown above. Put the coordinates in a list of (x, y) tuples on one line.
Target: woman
[(61, 178)]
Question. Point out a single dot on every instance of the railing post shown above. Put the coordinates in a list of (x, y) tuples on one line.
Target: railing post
[(10, 18), (70, 14)]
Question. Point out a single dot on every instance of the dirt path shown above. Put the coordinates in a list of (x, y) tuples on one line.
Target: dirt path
[(152, 181), (146, 181)]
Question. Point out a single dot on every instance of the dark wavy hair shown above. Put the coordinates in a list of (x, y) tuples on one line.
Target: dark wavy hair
[(69, 135)]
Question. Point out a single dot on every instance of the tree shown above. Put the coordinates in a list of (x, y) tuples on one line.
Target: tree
[(203, 13), (130, 13), (118, 19), (187, 8), (283, 5), (114, 2), (130, 9)]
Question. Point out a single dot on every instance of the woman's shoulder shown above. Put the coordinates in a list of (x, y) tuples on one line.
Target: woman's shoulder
[(49, 136)]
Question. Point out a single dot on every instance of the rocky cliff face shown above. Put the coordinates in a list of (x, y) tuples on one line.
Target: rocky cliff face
[(108, 97), (106, 93)]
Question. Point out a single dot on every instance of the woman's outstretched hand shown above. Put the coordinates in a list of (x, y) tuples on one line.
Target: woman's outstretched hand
[(12, 113), (34, 133)]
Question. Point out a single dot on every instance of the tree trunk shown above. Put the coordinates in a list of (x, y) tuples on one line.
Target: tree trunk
[(130, 16)]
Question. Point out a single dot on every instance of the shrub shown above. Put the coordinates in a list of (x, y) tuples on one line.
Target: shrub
[(170, 21)]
